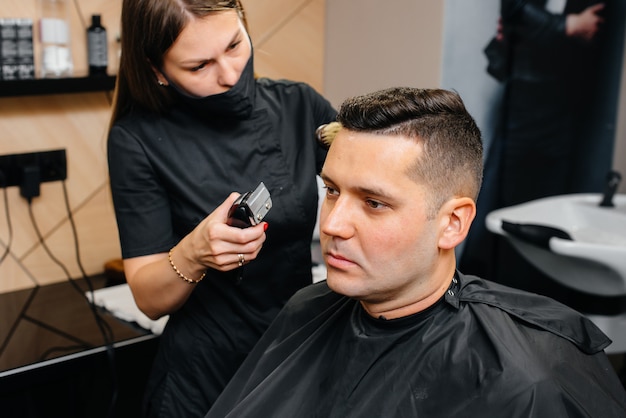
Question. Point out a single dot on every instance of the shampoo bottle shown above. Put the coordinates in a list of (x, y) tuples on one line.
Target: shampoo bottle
[(97, 47)]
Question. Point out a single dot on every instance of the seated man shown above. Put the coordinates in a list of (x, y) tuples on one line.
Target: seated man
[(395, 330)]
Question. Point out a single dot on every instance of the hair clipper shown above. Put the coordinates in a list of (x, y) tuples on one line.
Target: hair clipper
[(250, 208)]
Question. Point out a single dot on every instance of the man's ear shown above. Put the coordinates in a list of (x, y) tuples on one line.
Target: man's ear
[(456, 217)]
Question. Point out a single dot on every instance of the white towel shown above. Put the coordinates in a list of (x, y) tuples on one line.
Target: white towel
[(119, 301)]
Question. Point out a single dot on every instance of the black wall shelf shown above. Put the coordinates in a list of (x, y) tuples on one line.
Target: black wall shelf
[(41, 86)]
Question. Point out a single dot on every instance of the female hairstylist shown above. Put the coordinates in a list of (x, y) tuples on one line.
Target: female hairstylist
[(191, 124)]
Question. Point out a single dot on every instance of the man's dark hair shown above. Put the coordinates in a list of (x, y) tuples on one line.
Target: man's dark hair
[(451, 163)]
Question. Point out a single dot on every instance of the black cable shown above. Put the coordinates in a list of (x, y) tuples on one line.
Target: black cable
[(18, 318), (78, 342), (103, 326), (7, 248), (107, 336)]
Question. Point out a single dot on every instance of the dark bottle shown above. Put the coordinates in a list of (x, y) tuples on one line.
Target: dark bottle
[(97, 47)]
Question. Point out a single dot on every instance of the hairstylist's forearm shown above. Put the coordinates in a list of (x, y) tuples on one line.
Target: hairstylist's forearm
[(156, 287), (161, 283)]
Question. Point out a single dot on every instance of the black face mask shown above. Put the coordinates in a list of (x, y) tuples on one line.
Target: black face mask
[(236, 103)]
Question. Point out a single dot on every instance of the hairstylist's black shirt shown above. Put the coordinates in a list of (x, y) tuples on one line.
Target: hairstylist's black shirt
[(168, 173)]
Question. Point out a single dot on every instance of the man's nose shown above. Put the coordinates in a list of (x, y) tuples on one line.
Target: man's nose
[(336, 219)]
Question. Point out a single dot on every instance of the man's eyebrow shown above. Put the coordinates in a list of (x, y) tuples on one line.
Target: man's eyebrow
[(364, 190), (375, 191)]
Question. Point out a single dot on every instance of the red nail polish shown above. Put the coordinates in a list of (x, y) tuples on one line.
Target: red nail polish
[(265, 226)]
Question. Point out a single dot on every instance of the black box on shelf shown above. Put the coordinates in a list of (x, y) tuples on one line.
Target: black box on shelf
[(8, 49), (25, 54), (16, 49)]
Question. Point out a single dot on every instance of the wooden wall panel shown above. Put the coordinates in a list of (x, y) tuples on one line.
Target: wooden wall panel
[(77, 123), (289, 41), (294, 49)]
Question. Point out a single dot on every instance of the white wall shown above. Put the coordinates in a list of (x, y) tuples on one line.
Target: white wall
[(467, 26), (372, 45), (424, 43)]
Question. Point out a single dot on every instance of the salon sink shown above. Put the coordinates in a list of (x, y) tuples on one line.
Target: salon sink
[(571, 238)]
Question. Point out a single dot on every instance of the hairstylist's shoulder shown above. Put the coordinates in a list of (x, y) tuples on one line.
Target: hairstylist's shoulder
[(137, 123), (135, 117), (299, 95), (286, 86), (128, 139)]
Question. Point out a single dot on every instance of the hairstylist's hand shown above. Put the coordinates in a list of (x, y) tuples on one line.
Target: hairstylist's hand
[(215, 244)]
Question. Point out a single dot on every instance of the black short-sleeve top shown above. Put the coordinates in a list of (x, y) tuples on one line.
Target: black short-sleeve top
[(168, 172)]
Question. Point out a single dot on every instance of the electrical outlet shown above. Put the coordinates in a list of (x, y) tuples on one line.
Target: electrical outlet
[(51, 166)]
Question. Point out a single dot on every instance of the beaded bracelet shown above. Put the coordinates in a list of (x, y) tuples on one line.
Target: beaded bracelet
[(181, 275)]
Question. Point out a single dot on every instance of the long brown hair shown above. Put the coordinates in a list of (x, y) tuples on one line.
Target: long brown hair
[(148, 30)]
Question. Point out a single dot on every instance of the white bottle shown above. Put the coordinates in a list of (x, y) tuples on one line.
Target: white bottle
[(54, 34)]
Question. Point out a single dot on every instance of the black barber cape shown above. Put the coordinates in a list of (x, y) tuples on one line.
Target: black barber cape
[(484, 350)]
